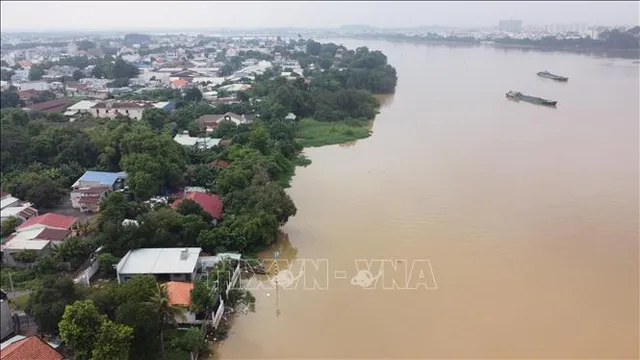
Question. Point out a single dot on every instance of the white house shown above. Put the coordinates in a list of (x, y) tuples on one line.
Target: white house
[(200, 142), (168, 264), (133, 109)]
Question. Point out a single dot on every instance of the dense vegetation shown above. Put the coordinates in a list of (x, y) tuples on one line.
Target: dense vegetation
[(41, 156), (607, 40)]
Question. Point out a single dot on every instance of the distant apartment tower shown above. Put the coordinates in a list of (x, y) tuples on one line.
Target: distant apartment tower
[(510, 26)]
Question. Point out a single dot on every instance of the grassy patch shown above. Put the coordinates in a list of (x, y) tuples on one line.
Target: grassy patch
[(319, 133), (23, 279), (20, 302)]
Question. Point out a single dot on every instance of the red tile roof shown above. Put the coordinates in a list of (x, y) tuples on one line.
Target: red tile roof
[(179, 293), (50, 220), (211, 203), (30, 348), (179, 82), (53, 234), (57, 105)]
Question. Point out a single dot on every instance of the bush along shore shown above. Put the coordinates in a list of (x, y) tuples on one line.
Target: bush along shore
[(331, 102)]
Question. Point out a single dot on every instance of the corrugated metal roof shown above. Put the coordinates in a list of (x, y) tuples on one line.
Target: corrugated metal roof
[(103, 177), (159, 261)]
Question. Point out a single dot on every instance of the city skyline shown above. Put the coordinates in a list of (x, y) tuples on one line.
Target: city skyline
[(206, 15)]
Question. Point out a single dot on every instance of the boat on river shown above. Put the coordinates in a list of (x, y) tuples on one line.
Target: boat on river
[(518, 96), (548, 75)]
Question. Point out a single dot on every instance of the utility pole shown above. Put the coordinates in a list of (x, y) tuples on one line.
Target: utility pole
[(275, 259)]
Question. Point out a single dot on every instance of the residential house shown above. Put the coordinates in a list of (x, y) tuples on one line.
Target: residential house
[(11, 206), (166, 264), (51, 106), (133, 109), (81, 107), (179, 292), (6, 200), (235, 87), (78, 89), (210, 203), (22, 212), (210, 122), (48, 220), (179, 83), (179, 295), (38, 239), (200, 142), (31, 347), (89, 190)]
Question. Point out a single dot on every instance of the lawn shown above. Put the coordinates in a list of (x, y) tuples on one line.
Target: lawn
[(319, 133)]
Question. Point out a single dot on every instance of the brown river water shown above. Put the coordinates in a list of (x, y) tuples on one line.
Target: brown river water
[(527, 215)]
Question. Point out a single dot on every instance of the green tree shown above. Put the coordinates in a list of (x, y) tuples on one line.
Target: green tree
[(192, 94), (9, 99), (77, 75), (9, 225), (5, 75), (259, 139), (202, 298), (325, 63), (25, 256), (190, 207), (242, 96), (193, 340), (156, 118), (169, 314), (85, 45), (35, 73), (80, 326), (133, 309), (113, 341), (113, 208), (313, 48), (74, 250), (47, 303), (106, 262)]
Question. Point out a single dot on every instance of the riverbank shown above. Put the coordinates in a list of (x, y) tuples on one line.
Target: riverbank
[(621, 53), (314, 133)]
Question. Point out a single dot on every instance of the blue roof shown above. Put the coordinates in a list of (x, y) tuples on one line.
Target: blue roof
[(103, 177)]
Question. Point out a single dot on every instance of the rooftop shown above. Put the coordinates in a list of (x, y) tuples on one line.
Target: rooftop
[(6, 201), (203, 142), (82, 105), (179, 292), (211, 203), (102, 177), (50, 220), (30, 348), (159, 261), (25, 211), (51, 106)]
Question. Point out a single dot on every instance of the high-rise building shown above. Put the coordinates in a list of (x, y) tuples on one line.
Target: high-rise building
[(510, 26)]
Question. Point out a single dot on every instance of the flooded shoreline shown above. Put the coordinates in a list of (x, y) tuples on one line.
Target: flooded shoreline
[(529, 218)]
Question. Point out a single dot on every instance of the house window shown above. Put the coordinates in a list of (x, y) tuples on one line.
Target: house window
[(107, 111), (97, 112), (126, 111)]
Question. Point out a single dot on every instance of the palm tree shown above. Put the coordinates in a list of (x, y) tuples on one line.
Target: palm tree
[(81, 228), (169, 314)]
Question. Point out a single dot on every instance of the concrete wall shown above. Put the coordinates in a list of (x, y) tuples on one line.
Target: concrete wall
[(85, 276), (6, 322)]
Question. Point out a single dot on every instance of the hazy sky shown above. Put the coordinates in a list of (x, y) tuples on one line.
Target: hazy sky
[(50, 15)]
